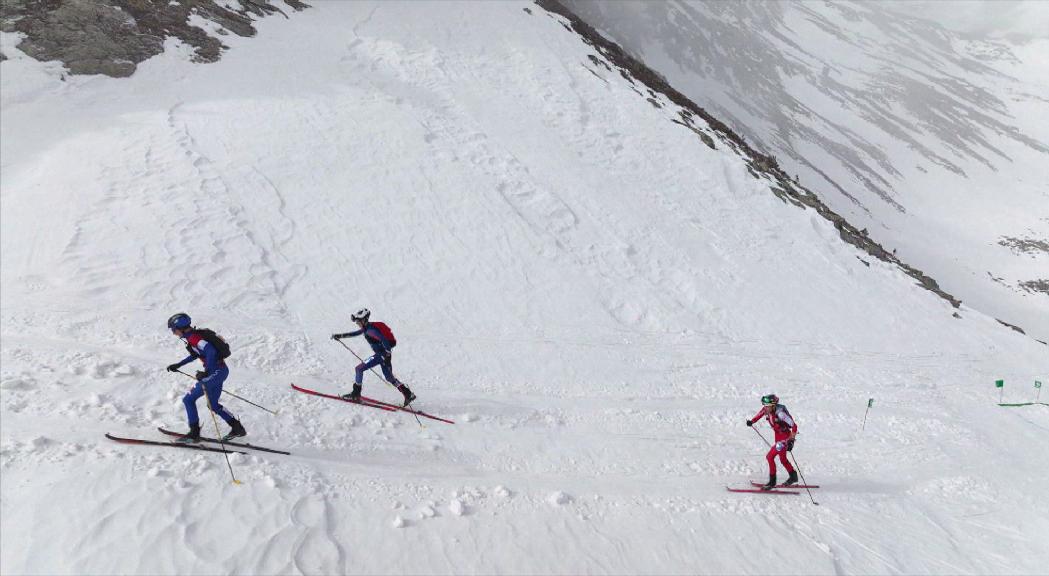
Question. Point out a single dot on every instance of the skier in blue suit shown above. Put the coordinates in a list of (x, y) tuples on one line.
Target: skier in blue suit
[(209, 381), (381, 339)]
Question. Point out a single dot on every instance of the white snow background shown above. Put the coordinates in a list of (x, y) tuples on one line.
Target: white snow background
[(594, 295)]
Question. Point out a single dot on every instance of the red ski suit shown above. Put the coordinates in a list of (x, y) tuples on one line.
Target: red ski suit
[(785, 428)]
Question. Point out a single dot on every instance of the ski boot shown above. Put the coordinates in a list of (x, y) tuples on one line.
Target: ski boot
[(792, 479), (354, 396), (236, 431), (409, 396), (191, 437), (771, 484)]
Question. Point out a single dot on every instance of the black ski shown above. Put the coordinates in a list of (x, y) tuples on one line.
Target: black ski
[(171, 444), (228, 443)]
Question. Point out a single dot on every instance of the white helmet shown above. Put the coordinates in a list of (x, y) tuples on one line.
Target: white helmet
[(362, 314)]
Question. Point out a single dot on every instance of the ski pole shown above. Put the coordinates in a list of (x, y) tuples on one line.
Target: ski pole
[(218, 434), (800, 473), (230, 393), (762, 436), (372, 369)]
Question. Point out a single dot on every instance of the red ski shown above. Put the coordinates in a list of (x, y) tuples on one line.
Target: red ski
[(757, 491), (365, 401), (792, 486), (409, 410), (333, 397)]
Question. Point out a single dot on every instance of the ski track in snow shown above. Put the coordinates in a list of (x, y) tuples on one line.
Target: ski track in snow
[(596, 297)]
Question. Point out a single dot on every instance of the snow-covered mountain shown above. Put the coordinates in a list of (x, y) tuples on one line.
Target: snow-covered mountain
[(596, 284), (936, 141)]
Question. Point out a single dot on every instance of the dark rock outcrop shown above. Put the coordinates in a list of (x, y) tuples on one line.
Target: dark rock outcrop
[(111, 37)]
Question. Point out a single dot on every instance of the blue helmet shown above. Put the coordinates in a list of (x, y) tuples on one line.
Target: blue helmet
[(180, 321)]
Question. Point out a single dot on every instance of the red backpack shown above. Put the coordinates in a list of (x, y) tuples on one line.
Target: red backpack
[(386, 333)]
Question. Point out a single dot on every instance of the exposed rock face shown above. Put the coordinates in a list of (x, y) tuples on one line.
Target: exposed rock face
[(112, 36), (1025, 245)]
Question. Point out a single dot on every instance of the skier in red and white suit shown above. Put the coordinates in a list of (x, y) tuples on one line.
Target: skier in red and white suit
[(786, 429)]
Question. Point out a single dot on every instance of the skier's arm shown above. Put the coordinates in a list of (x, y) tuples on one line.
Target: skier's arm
[(756, 417), (347, 335), (192, 356)]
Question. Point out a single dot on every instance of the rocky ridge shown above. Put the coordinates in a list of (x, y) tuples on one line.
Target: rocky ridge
[(113, 37)]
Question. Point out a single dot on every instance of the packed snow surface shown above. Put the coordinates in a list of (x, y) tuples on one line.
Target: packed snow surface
[(596, 297)]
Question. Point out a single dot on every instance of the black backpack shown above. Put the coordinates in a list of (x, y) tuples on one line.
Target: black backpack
[(209, 336)]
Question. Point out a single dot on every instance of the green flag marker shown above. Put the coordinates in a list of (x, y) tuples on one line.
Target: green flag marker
[(999, 383), (1037, 384), (870, 402)]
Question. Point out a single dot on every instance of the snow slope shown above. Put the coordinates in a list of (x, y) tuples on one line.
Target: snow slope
[(593, 294), (934, 140)]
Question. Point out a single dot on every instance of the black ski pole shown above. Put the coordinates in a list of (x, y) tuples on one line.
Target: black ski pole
[(372, 369), (762, 436), (230, 393), (803, 481)]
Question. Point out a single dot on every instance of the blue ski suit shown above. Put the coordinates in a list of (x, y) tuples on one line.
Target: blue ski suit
[(215, 374), (383, 354)]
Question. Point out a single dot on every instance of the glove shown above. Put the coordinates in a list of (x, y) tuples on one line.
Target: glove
[(201, 375), (174, 367), (790, 445), (749, 423), (335, 337)]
